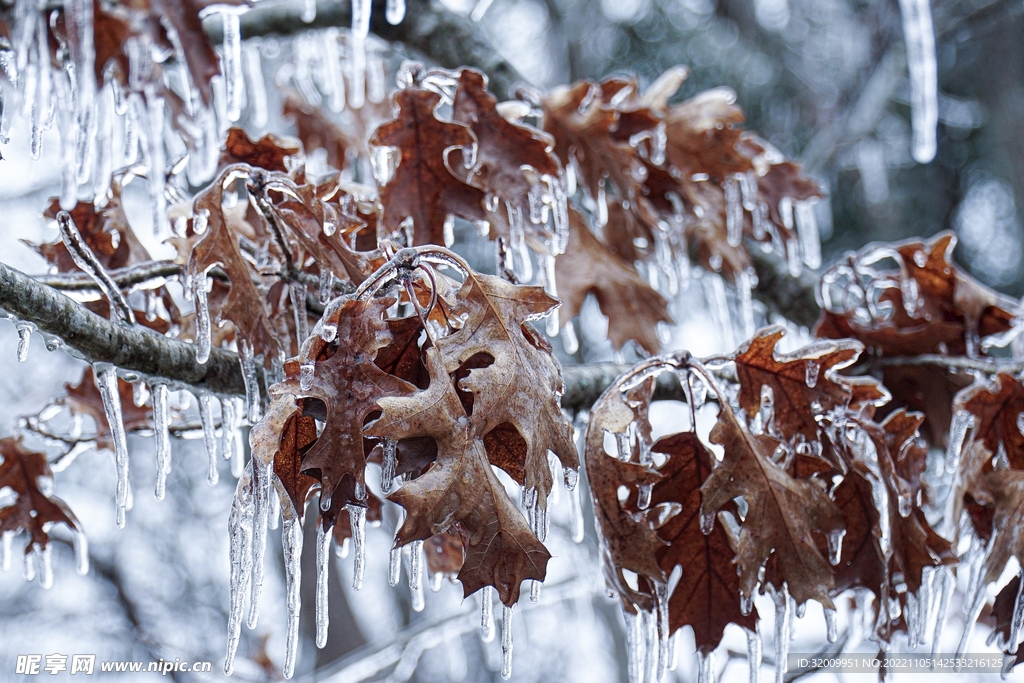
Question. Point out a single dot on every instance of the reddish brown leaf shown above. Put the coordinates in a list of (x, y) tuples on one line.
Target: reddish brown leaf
[(423, 189), (27, 474), (460, 492), (633, 308), (269, 152)]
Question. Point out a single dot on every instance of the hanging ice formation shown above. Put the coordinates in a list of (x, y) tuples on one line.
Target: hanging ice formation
[(919, 36)]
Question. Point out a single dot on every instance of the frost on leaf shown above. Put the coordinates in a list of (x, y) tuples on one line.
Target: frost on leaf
[(424, 189), (522, 386), (707, 597), (633, 307), (33, 509), (460, 491)]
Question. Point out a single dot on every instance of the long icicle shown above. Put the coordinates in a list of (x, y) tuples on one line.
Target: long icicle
[(323, 562), (240, 531), (85, 259), (291, 540), (106, 382), (262, 499), (163, 438), (919, 37)]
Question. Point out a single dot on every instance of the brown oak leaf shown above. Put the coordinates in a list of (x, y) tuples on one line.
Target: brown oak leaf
[(460, 491), (34, 509), (423, 188), (523, 385), (269, 152), (707, 597), (633, 307)]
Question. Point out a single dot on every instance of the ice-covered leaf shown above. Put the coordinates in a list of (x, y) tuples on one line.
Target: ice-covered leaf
[(522, 386), (460, 491), (783, 518), (997, 407), (34, 508), (349, 385), (707, 597), (633, 307), (423, 189), (269, 152)]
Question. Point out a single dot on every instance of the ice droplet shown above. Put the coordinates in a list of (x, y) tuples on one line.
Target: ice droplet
[(106, 382), (357, 520), (506, 642), (323, 561), (487, 613), (754, 655), (395, 11), (291, 541), (161, 419), (209, 435), (919, 37), (24, 337), (307, 372), (835, 545)]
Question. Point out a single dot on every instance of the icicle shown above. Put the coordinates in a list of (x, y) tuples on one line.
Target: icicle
[(45, 566), (487, 613), (157, 162), (24, 338), (394, 566), (744, 286), (326, 289), (387, 477), (783, 616), (1017, 624), (291, 540), (106, 381), (835, 545), (262, 503), (233, 81), (546, 263), (570, 342), (962, 422), (919, 37), (435, 582), (28, 569), (793, 257), (754, 654), (913, 617), (252, 386), (161, 420), (506, 642), (416, 574), (947, 584), (807, 231), (634, 646), (199, 298), (395, 11), (357, 520), (704, 674), (831, 628), (664, 631), (240, 532), (230, 433), (81, 547), (323, 561), (972, 612), (298, 295), (209, 435), (576, 515), (733, 211), (360, 29), (255, 86), (535, 591), (85, 259)]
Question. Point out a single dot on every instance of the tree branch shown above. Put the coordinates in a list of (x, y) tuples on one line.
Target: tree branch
[(94, 339)]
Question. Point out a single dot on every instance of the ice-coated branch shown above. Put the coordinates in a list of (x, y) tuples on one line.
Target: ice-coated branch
[(97, 340), (584, 384), (988, 366), (448, 39)]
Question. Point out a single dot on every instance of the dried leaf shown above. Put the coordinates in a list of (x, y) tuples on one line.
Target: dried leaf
[(27, 475), (460, 491), (269, 152)]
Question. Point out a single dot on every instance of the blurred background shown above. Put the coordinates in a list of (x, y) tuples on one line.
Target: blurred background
[(825, 81)]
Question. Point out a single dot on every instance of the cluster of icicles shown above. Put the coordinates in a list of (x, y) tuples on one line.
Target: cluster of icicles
[(105, 126)]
